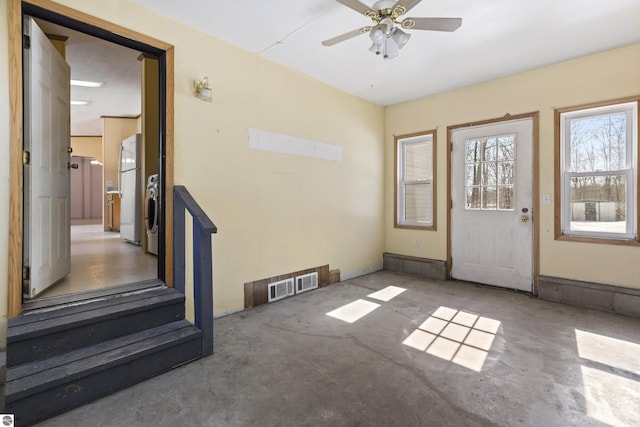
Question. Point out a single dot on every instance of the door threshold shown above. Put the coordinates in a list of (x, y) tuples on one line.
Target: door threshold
[(43, 304)]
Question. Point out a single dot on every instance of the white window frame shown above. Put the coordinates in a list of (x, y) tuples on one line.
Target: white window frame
[(401, 182), (630, 109)]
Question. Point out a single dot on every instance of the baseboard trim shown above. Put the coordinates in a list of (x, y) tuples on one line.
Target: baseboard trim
[(614, 299), (361, 271), (423, 267)]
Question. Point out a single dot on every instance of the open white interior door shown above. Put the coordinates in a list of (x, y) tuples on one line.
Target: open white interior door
[(47, 251)]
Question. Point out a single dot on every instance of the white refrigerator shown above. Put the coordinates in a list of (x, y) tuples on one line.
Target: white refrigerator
[(129, 184)]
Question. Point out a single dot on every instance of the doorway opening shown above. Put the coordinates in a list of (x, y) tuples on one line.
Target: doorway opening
[(100, 256)]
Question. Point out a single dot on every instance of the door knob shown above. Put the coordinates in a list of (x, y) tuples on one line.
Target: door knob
[(524, 218), (72, 165)]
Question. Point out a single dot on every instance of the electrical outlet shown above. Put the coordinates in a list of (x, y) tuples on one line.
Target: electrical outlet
[(416, 241)]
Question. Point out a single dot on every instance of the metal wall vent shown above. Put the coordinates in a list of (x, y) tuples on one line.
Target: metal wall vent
[(280, 289), (306, 282)]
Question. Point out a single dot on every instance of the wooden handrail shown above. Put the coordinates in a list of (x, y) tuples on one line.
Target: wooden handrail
[(203, 228)]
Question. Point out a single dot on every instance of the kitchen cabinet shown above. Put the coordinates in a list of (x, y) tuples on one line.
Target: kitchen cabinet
[(113, 212)]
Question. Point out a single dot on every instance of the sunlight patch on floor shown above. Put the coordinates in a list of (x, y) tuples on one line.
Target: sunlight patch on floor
[(456, 336), (353, 311), (356, 310), (612, 390), (387, 294)]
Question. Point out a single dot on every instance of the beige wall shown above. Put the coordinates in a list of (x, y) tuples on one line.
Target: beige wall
[(276, 213), (87, 146), (610, 75), (4, 171)]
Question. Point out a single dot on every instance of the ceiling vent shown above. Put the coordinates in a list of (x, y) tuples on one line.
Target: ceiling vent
[(306, 282), (280, 289)]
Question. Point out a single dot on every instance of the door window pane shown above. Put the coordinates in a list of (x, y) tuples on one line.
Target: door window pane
[(489, 172)]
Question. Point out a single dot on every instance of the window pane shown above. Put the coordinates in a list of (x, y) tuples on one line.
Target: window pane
[(489, 174), (417, 161), (472, 151), (473, 197), (505, 173), (598, 203), (417, 200), (472, 174), (598, 143), (488, 149), (507, 147), (489, 169), (505, 197), (489, 197), (480, 150)]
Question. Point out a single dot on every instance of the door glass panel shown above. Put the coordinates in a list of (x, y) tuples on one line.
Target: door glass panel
[(489, 198), (489, 172), (505, 197), (472, 198)]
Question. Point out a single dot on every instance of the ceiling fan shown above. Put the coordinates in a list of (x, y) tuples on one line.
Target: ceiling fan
[(386, 36)]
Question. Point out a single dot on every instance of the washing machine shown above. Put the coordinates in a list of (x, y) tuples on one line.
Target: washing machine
[(151, 217)]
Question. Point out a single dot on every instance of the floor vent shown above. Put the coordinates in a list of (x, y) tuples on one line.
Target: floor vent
[(280, 289), (306, 282)]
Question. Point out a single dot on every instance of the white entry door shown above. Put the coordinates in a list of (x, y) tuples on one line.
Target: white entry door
[(47, 250), (491, 213)]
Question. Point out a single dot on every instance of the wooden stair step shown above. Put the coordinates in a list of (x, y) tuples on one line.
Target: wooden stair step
[(41, 389), (43, 334)]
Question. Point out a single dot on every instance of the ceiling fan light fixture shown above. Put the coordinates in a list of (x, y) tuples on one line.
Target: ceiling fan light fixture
[(376, 48), (378, 34), (391, 49), (400, 37)]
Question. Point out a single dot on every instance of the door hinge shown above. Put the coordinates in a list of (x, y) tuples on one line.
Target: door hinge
[(26, 41), (26, 157), (26, 273)]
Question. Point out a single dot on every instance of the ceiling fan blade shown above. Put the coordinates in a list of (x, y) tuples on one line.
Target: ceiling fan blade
[(346, 36), (356, 5), (432, 24), (406, 5)]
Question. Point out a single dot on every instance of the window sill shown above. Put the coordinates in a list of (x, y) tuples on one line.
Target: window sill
[(416, 227), (598, 240)]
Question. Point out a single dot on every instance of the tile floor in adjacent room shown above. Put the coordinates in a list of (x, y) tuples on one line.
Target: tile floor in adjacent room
[(100, 259), (389, 349)]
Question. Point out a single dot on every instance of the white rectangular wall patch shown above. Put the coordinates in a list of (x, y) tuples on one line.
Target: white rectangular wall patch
[(279, 143)]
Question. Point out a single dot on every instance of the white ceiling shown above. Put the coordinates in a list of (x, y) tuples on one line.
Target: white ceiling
[(95, 60), (497, 38)]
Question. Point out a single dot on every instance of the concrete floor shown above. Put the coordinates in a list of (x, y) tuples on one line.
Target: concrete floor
[(524, 362)]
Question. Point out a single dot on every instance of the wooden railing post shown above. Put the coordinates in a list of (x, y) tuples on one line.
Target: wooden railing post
[(203, 228), (178, 243)]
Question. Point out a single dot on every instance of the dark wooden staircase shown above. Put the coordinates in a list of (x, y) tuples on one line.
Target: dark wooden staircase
[(64, 356)]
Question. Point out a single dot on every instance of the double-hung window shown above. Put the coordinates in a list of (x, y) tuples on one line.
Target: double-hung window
[(415, 180), (598, 148)]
